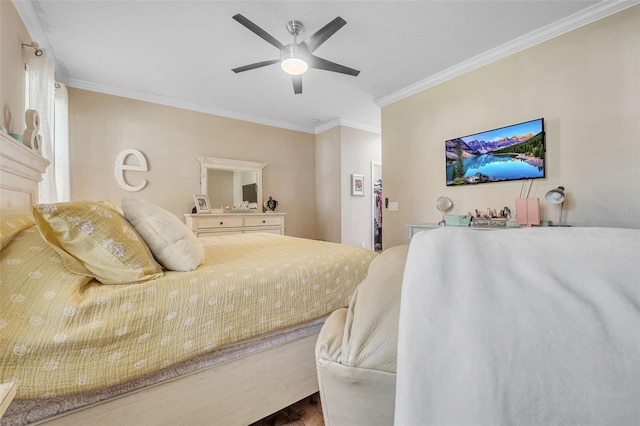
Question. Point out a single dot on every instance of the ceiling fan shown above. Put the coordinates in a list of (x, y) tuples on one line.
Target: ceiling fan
[(296, 58)]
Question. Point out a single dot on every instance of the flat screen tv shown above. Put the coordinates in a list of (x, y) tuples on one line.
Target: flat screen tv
[(513, 152), (250, 193)]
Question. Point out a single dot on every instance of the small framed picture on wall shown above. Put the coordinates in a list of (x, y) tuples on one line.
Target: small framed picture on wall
[(357, 185), (202, 203)]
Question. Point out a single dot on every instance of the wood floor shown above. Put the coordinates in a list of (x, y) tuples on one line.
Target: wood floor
[(307, 412)]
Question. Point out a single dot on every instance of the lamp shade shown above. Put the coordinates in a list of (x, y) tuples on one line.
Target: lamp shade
[(294, 66), (555, 196)]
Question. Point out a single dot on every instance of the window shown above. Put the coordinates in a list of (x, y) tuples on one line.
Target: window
[(49, 98)]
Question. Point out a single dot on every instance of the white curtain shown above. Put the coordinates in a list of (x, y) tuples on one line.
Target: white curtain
[(40, 97), (61, 143)]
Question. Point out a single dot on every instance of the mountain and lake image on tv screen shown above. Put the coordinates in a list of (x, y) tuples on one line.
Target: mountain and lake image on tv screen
[(508, 153)]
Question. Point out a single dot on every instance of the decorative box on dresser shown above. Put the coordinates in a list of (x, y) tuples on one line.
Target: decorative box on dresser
[(212, 224)]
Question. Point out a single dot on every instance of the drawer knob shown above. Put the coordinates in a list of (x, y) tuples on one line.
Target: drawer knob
[(264, 221), (221, 223)]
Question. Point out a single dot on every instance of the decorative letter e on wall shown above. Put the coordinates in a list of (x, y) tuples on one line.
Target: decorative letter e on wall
[(121, 167)]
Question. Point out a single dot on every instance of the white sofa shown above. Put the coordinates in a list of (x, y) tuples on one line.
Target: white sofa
[(356, 349), (524, 326)]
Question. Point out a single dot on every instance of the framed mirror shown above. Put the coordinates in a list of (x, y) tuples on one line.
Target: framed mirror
[(231, 182)]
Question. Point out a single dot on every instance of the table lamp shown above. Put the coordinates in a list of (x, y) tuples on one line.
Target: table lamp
[(556, 196)]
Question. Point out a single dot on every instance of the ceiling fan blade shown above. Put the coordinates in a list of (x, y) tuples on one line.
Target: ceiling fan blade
[(323, 34), (297, 84), (323, 64), (258, 31), (254, 66)]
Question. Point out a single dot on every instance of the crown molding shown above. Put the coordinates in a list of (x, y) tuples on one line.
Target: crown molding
[(327, 126), (347, 123), (577, 20), (191, 106), (360, 126), (179, 103)]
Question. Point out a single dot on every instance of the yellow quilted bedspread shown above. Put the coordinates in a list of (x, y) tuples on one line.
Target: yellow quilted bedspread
[(64, 334)]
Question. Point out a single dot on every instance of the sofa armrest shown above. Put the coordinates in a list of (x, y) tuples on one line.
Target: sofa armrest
[(356, 348), (350, 395), (329, 345), (371, 325)]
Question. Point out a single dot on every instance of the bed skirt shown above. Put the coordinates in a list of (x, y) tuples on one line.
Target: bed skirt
[(31, 411)]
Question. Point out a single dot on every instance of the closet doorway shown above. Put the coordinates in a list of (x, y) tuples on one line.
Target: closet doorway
[(376, 205)]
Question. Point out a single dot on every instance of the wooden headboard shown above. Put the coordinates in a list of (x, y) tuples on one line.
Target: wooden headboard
[(21, 170)]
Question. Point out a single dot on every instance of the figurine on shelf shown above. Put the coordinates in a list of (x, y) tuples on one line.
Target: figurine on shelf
[(270, 205)]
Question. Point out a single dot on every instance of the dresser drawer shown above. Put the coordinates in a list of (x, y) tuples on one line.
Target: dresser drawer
[(263, 221), (219, 222), (212, 224)]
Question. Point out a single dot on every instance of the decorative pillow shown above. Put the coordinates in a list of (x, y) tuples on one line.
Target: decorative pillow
[(97, 241), (170, 241), (11, 224), (111, 206)]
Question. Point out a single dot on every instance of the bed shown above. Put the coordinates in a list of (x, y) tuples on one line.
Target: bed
[(227, 341), (531, 326)]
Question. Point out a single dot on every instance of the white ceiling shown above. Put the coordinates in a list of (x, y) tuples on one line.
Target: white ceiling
[(180, 53)]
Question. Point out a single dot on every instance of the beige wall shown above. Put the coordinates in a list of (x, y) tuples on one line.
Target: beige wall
[(328, 192), (12, 34), (101, 126), (584, 83)]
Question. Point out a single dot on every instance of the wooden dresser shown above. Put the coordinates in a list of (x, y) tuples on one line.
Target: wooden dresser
[(210, 225)]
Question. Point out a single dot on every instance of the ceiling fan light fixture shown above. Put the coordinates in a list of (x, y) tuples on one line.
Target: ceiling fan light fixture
[(294, 66), (293, 60), (296, 58)]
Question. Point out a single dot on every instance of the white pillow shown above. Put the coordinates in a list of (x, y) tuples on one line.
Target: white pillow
[(173, 244)]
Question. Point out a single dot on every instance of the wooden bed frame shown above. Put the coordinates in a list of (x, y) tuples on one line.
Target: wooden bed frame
[(237, 392), (21, 170)]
